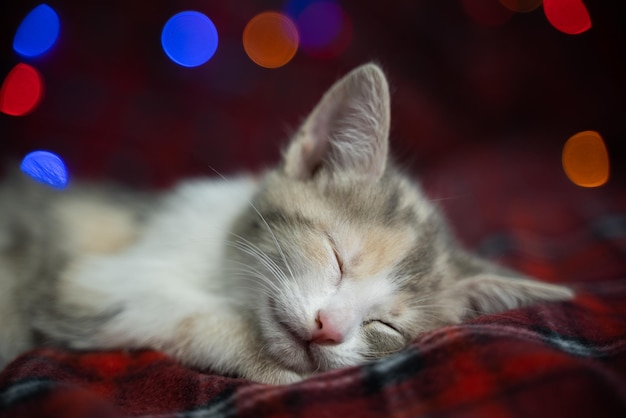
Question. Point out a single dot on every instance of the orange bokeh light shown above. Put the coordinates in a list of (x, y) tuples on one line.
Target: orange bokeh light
[(586, 160), (270, 39), (521, 6)]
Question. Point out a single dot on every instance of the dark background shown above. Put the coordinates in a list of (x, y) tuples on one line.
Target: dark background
[(472, 105), (117, 106)]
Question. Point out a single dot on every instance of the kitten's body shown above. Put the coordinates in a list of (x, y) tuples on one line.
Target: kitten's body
[(329, 260)]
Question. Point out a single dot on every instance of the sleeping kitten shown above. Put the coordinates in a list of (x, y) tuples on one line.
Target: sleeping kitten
[(331, 259)]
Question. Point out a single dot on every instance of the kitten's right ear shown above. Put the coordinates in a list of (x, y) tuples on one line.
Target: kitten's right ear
[(485, 288), (348, 130), (492, 293)]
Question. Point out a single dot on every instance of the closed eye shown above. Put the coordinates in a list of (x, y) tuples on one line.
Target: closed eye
[(339, 262), (382, 323), (337, 257), (382, 339)]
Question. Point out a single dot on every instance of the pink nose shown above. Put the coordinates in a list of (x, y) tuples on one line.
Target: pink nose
[(327, 332)]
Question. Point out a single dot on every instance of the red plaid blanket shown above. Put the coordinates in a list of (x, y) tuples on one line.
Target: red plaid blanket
[(566, 360), (557, 359)]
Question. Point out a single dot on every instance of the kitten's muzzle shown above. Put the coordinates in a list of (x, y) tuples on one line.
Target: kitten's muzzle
[(311, 342), (327, 332)]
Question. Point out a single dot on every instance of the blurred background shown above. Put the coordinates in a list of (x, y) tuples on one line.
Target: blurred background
[(485, 95)]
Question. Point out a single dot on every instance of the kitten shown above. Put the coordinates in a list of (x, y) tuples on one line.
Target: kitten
[(329, 260)]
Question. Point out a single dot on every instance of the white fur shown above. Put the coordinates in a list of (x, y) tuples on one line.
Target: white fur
[(170, 274)]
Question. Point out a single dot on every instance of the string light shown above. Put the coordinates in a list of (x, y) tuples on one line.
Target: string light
[(586, 160), (568, 16), (38, 32), (22, 90), (325, 29), (46, 167), (189, 38), (270, 39)]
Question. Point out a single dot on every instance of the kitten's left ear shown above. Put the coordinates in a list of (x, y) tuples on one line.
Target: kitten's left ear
[(347, 131), (494, 290)]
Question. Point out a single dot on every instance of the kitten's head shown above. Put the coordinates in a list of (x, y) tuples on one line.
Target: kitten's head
[(346, 258)]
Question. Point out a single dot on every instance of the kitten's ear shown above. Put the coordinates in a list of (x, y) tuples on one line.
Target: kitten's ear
[(347, 131), (493, 291), (489, 293)]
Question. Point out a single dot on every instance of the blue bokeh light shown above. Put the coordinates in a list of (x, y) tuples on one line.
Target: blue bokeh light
[(294, 7), (45, 167), (38, 32), (319, 24), (189, 38)]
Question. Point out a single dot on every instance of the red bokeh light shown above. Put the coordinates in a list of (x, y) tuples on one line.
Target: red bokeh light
[(21, 91), (568, 16)]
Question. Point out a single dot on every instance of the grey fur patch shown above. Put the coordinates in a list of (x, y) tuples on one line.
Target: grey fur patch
[(379, 343)]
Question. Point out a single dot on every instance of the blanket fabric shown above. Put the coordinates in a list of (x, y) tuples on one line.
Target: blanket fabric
[(549, 360), (558, 359)]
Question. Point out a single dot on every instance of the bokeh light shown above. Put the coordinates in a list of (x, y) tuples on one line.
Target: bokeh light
[(189, 38), (586, 160), (45, 167), (38, 32), (319, 24), (521, 6), (568, 16), (270, 39), (487, 12), (293, 8), (22, 90), (325, 29)]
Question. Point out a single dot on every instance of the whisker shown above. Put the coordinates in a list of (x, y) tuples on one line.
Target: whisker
[(276, 270), (261, 257), (269, 229), (246, 272)]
